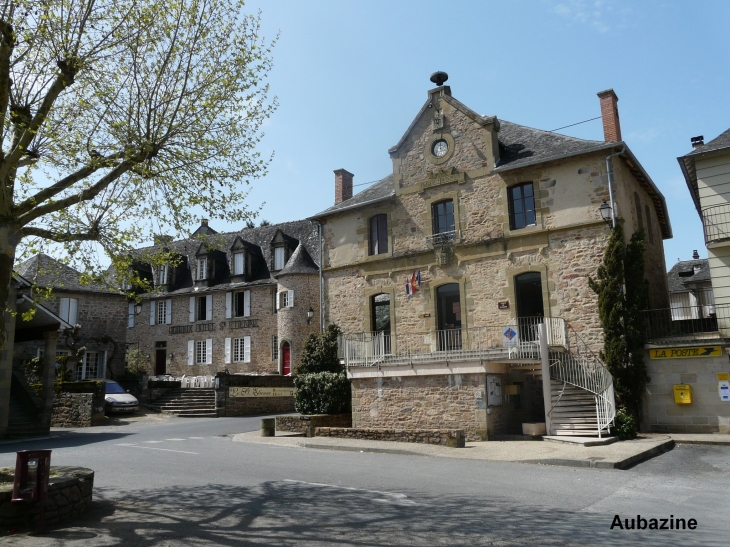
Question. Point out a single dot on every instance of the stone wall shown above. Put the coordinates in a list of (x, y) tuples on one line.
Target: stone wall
[(227, 405), (425, 402), (69, 496), (72, 410), (292, 321), (706, 414), (447, 437), (308, 423)]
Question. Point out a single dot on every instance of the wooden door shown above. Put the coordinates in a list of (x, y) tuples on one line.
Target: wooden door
[(160, 358), (286, 359)]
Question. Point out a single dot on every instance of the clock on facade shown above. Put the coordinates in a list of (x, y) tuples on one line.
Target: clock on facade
[(439, 148)]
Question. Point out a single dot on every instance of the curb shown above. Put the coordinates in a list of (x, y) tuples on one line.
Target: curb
[(701, 442), (626, 463), (29, 439), (361, 449)]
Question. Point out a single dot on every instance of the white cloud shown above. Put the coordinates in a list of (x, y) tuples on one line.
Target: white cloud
[(586, 12)]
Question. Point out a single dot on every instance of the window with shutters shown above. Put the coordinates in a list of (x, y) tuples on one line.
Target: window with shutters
[(379, 234), (239, 304), (286, 299), (239, 350), (521, 198), (239, 263), (201, 352), (69, 310), (161, 312), (202, 272), (279, 257), (201, 307), (274, 347)]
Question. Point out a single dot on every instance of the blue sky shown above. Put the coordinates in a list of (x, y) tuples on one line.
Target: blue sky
[(350, 76)]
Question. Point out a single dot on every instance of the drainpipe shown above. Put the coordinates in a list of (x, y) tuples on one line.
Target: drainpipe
[(321, 264), (609, 171)]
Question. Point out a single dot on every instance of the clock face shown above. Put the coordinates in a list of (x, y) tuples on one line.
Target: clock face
[(440, 148)]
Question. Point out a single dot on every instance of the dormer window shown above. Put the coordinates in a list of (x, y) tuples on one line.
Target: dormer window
[(126, 285), (162, 273), (279, 257), (202, 272), (239, 263)]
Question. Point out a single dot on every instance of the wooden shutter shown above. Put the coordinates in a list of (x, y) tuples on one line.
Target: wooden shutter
[(290, 299), (64, 309), (209, 351), (168, 311), (191, 352), (73, 311), (229, 304), (208, 307), (247, 304), (192, 309), (153, 309), (246, 349), (130, 316), (278, 299), (228, 350)]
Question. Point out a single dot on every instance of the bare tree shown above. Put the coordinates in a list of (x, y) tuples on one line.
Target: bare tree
[(119, 118)]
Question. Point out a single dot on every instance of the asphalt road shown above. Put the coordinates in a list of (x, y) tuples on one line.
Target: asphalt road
[(184, 482)]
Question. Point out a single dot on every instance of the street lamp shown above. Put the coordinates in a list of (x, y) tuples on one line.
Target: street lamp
[(606, 213), (310, 314)]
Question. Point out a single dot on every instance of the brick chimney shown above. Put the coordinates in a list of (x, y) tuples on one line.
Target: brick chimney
[(609, 113), (343, 185)]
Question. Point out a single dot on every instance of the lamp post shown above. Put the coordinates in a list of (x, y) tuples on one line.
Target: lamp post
[(606, 213), (310, 314)]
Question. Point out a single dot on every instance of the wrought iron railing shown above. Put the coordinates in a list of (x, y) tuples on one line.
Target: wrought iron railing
[(443, 238), (685, 321), (716, 223), (518, 340)]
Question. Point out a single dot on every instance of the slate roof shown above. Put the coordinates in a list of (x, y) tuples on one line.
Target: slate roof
[(301, 232), (46, 271), (687, 164), (299, 263), (688, 272), (380, 191)]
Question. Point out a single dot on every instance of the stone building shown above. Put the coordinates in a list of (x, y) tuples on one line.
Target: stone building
[(242, 301), (100, 310), (481, 225)]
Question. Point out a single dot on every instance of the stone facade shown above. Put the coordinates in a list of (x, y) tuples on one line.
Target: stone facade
[(706, 414), (292, 323), (72, 410), (453, 438), (308, 424)]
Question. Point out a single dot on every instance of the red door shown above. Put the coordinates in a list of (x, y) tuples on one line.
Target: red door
[(286, 359), (160, 358)]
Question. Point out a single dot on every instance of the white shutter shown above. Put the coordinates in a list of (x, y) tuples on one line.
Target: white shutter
[(73, 311), (192, 309), (278, 297), (153, 308), (130, 317), (229, 304), (64, 309), (246, 349), (228, 350), (290, 299), (209, 307), (168, 311), (247, 304), (102, 372), (191, 352), (209, 351)]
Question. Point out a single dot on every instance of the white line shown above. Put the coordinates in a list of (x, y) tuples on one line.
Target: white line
[(395, 497), (151, 442), (174, 439), (153, 448), (196, 437)]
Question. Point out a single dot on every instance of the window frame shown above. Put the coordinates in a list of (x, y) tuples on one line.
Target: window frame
[(241, 306), (201, 305), (72, 312), (201, 348), (522, 200), (238, 350), (202, 268), (275, 347), (436, 216), (161, 312), (276, 250), (234, 262), (378, 234)]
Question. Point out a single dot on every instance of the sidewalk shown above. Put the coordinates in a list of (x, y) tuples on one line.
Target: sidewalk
[(620, 455)]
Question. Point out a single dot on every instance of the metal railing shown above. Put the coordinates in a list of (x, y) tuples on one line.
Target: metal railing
[(517, 341), (716, 223), (685, 321), (453, 236)]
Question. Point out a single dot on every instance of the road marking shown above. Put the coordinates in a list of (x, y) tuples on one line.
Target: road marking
[(151, 442), (174, 439), (197, 437), (395, 498), (153, 448)]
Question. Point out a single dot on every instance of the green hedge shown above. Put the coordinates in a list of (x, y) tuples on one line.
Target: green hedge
[(321, 393)]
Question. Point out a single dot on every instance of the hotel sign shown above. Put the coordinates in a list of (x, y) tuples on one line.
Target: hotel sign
[(684, 353), (261, 392)]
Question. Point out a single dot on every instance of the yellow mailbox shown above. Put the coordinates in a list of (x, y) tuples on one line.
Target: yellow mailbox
[(682, 394)]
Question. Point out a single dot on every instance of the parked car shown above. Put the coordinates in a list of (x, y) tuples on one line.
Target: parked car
[(118, 400)]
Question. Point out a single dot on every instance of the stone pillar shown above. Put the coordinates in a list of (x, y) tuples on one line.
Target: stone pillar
[(48, 377), (546, 386)]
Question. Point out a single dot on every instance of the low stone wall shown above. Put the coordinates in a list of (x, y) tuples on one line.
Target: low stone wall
[(308, 423), (249, 402), (454, 438), (94, 387), (69, 496), (72, 410)]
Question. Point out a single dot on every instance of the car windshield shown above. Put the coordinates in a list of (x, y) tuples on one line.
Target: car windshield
[(113, 387)]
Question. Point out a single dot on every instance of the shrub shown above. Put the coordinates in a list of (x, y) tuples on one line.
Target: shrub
[(322, 393), (136, 363), (319, 353), (626, 425)]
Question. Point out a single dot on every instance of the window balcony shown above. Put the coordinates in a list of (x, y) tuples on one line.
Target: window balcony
[(444, 238), (687, 323), (716, 224)]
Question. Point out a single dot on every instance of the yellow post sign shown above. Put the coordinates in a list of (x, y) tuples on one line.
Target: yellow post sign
[(261, 392), (684, 353)]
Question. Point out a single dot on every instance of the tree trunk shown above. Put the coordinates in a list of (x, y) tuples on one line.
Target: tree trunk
[(8, 244)]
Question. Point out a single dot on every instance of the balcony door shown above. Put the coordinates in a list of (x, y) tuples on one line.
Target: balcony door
[(380, 306), (528, 295), (448, 304)]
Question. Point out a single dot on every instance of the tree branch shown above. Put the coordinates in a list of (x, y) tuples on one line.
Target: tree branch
[(59, 237), (7, 45)]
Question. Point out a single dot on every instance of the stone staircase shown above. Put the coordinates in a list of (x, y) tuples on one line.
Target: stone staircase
[(23, 423), (187, 403)]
